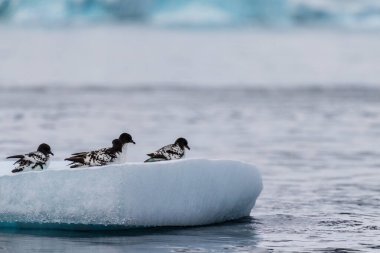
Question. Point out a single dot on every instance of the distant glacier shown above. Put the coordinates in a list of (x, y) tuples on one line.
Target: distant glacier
[(204, 13)]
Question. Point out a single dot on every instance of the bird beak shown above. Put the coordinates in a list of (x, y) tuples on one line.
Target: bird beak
[(133, 142), (187, 147), (51, 153)]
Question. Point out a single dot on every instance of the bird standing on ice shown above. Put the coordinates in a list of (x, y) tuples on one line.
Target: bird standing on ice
[(99, 157), (38, 160), (169, 152), (121, 157)]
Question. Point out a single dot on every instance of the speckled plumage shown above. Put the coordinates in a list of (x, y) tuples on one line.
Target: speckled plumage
[(38, 160), (99, 157), (169, 152), (95, 158)]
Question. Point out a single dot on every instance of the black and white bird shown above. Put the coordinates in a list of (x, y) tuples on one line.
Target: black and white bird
[(99, 157), (38, 160), (125, 139), (121, 157), (169, 152)]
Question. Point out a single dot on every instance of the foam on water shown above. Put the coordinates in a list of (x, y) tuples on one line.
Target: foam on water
[(177, 193)]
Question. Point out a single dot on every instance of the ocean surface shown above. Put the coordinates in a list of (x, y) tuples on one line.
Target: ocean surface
[(317, 148), (291, 86)]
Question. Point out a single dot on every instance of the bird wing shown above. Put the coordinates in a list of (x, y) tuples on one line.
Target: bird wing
[(175, 152), (83, 154), (36, 157), (157, 156), (161, 153), (101, 157), (22, 164)]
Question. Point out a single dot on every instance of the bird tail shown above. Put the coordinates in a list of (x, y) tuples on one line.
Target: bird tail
[(151, 160), (16, 156), (16, 170), (75, 165), (76, 161), (79, 154)]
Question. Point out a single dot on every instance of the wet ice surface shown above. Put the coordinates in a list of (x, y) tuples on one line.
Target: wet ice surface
[(317, 150)]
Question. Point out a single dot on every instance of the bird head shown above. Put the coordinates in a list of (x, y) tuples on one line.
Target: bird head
[(126, 138), (45, 149), (182, 142)]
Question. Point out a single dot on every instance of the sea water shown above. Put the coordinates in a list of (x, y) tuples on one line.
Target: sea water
[(316, 149), (289, 86)]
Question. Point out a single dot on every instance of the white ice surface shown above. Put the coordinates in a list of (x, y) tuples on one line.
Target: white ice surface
[(177, 193)]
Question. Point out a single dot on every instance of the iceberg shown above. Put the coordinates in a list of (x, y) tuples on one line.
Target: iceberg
[(174, 193)]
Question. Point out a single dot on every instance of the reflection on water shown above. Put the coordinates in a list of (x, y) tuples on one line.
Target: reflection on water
[(228, 237)]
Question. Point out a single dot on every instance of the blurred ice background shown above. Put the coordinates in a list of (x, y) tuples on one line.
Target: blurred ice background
[(289, 85), (196, 42)]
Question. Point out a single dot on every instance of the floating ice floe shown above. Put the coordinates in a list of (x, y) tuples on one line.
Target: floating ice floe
[(174, 193)]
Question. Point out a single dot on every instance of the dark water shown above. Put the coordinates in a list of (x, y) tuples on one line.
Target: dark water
[(230, 237), (318, 151)]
